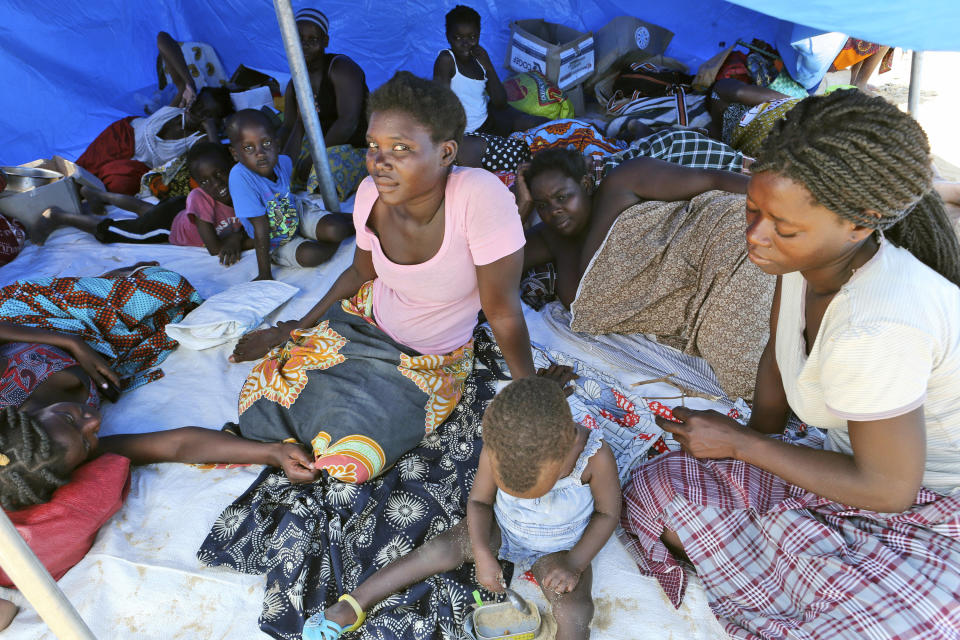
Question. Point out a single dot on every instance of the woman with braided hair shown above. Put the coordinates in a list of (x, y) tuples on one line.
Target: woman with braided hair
[(862, 537)]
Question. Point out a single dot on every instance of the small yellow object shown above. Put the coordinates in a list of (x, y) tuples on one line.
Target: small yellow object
[(4, 460)]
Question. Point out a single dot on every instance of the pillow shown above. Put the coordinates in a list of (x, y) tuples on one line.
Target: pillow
[(229, 314), (60, 532)]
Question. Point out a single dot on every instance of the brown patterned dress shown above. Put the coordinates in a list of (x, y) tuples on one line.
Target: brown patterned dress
[(679, 271)]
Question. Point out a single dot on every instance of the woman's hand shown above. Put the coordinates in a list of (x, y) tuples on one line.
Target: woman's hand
[(489, 574), (706, 434), (559, 575), (522, 192), (92, 363), (296, 463)]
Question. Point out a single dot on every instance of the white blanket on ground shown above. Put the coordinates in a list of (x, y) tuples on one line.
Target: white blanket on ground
[(141, 579)]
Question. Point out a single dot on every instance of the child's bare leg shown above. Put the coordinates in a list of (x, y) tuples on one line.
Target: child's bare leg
[(98, 199), (866, 67), (55, 217), (730, 91), (8, 611), (312, 253), (334, 227), (574, 610), (445, 552)]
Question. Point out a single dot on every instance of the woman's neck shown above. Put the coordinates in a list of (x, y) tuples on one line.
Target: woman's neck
[(828, 279)]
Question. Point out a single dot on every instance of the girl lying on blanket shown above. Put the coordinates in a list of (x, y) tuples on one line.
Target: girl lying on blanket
[(546, 497), (862, 537), (205, 218), (41, 449), (656, 248)]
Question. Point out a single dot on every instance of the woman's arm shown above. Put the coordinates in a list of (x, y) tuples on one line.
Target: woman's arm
[(480, 523), (290, 134), (605, 487), (346, 285), (349, 84), (177, 67), (536, 251), (642, 179), (498, 95), (883, 474), (89, 360), (499, 284), (198, 445), (770, 407)]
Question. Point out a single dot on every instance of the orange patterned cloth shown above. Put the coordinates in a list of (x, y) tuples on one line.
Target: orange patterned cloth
[(359, 399)]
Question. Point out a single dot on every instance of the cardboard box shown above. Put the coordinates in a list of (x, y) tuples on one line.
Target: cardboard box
[(27, 206), (564, 55), (627, 39)]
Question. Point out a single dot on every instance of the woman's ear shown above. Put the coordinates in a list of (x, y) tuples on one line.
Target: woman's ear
[(448, 152), (860, 232)]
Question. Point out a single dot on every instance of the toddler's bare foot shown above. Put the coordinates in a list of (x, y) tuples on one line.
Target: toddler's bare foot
[(44, 226), (8, 611), (256, 344), (92, 196)]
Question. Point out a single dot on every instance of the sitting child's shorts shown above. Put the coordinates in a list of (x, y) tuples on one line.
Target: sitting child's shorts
[(311, 212)]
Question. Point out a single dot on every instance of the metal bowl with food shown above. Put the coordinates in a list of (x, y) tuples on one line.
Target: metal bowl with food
[(20, 179)]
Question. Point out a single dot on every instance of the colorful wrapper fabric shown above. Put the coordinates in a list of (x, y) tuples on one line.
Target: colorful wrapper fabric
[(121, 318), (25, 366), (316, 541), (753, 125), (357, 397), (569, 134), (347, 164)]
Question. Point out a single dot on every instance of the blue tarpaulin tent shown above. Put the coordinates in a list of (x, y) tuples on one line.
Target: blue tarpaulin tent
[(70, 67)]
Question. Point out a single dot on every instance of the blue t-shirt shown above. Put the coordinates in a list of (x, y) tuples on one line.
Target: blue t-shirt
[(254, 196)]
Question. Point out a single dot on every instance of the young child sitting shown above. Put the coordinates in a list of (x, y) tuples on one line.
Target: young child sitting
[(205, 218), (467, 69), (284, 230), (546, 497)]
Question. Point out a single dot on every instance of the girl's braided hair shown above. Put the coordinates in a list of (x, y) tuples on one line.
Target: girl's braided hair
[(29, 461), (857, 155)]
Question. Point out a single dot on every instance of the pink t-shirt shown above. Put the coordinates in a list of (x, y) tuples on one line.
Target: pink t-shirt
[(200, 206), (432, 306)]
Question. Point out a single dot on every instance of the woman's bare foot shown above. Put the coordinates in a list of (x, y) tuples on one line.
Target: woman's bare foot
[(92, 196), (8, 611), (256, 344), (46, 223)]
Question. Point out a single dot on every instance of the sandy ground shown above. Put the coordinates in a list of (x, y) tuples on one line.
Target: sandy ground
[(939, 98)]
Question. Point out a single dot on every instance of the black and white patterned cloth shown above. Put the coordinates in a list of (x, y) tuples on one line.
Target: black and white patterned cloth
[(317, 541), (680, 146), (502, 154)]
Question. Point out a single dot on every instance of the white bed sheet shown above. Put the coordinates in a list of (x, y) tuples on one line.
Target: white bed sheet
[(141, 579)]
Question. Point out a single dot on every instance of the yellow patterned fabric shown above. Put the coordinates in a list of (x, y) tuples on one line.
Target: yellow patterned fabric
[(377, 404), (757, 123)]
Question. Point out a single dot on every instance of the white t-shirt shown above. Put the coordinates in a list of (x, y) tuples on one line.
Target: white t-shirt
[(888, 343)]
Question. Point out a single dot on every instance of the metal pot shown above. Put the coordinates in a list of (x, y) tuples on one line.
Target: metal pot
[(20, 179)]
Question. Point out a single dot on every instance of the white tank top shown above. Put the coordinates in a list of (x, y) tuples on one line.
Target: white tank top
[(472, 93)]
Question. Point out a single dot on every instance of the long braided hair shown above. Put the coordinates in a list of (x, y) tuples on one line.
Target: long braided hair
[(29, 459), (858, 154)]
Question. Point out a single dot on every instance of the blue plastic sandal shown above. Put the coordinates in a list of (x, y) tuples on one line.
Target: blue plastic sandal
[(317, 627)]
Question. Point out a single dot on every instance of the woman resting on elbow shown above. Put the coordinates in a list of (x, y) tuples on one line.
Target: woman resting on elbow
[(860, 538)]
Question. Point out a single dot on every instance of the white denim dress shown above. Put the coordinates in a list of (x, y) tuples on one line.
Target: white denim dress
[(531, 528)]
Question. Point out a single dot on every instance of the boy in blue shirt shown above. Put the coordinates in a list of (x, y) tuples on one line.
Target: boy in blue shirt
[(285, 231)]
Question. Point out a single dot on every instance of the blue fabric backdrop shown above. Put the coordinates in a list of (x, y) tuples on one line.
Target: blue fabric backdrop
[(71, 67)]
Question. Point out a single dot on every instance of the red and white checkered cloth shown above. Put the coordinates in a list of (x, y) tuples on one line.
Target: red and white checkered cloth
[(780, 562)]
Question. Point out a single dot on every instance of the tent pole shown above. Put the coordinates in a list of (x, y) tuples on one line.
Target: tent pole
[(916, 70), (38, 587), (308, 109)]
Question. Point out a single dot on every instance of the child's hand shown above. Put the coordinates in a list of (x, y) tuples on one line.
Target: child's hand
[(561, 374), (558, 575), (231, 249), (296, 463), (481, 55), (489, 574)]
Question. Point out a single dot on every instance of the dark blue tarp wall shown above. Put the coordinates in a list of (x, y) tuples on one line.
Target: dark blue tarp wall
[(71, 67)]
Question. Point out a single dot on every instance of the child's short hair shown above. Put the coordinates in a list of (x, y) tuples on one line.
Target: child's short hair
[(220, 96), (430, 103), (246, 118), (568, 162), (462, 14), (206, 149), (527, 424)]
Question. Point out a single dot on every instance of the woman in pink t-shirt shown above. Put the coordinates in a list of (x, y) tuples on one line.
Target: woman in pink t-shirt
[(361, 381)]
